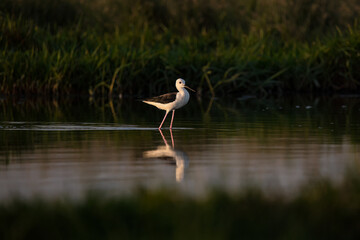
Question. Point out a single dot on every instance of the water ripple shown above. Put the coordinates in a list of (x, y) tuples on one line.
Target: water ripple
[(51, 126)]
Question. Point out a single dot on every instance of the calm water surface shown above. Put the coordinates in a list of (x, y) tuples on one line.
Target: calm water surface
[(66, 148)]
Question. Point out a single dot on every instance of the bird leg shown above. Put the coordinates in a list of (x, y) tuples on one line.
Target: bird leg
[(172, 119), (163, 119)]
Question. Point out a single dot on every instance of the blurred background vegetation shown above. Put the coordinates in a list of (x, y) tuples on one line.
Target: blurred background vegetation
[(139, 47), (289, 19), (321, 211)]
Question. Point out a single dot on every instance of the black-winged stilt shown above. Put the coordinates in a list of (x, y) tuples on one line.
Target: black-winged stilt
[(171, 101)]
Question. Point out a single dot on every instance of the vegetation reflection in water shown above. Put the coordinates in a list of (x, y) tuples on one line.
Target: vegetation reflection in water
[(273, 144)]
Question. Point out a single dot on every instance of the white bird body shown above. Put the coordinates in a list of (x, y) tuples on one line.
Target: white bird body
[(171, 101), (182, 98)]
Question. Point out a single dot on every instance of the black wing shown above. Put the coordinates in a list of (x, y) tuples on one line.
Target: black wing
[(165, 98)]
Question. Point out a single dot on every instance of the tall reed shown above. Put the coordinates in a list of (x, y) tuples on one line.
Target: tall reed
[(140, 47)]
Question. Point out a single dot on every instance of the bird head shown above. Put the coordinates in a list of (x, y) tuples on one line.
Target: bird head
[(180, 83)]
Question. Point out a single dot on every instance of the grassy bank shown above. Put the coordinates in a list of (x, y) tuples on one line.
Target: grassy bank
[(321, 211), (139, 48)]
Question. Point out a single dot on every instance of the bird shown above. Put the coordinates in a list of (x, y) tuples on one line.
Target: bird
[(171, 101)]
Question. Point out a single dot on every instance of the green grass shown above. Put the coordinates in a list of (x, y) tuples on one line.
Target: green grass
[(320, 211), (138, 48)]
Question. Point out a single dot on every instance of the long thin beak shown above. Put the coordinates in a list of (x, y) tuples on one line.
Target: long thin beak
[(190, 88)]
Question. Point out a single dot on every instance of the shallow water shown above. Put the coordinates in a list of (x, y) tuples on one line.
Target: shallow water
[(66, 148)]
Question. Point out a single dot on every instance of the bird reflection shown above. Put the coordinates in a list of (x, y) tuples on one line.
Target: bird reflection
[(169, 152)]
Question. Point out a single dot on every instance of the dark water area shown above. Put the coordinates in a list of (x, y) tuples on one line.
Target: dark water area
[(66, 148)]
